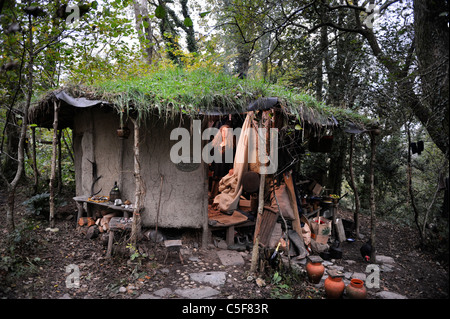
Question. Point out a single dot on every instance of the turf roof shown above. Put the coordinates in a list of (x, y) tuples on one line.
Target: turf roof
[(175, 91)]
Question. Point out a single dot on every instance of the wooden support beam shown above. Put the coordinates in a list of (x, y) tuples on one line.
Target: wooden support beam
[(139, 186), (53, 166)]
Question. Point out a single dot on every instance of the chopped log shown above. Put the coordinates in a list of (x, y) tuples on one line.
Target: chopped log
[(92, 232), (86, 221), (108, 217)]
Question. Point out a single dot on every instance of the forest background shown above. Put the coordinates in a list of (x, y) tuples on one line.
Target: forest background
[(388, 60)]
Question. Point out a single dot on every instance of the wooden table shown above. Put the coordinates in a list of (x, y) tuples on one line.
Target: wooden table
[(80, 200)]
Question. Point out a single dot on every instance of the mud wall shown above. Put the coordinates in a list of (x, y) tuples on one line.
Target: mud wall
[(183, 194)]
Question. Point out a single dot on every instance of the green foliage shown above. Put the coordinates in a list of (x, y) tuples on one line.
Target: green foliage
[(136, 255), (38, 204), (16, 251), (160, 12)]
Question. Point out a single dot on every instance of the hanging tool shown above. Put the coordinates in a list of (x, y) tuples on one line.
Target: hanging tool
[(94, 178)]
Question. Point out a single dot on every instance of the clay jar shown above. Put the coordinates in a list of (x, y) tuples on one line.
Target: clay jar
[(356, 289), (315, 269), (334, 286)]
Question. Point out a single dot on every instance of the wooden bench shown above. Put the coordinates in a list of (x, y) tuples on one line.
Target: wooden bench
[(80, 200), (173, 246), (230, 229), (117, 224)]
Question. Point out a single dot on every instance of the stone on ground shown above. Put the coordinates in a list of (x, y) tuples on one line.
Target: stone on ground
[(215, 278), (230, 257), (389, 295), (197, 293)]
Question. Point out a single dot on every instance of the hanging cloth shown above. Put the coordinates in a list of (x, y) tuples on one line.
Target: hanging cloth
[(228, 200)]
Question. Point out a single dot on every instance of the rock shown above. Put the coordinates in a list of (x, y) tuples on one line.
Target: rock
[(122, 289), (147, 296), (385, 260), (163, 292), (230, 258), (336, 267), (215, 278), (222, 244), (389, 295), (350, 262), (197, 293), (348, 275), (65, 296), (387, 268)]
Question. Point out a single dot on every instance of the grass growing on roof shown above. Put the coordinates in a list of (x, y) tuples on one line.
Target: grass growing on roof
[(175, 90), (170, 91)]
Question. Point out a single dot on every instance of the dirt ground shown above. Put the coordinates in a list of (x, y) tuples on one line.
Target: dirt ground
[(41, 270)]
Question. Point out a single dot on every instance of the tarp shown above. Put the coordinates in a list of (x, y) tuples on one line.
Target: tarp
[(77, 102)]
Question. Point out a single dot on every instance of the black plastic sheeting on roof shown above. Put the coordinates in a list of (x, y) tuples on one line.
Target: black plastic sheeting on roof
[(264, 103), (77, 102)]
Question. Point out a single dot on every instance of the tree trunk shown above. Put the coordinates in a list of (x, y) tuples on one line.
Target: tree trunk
[(190, 33), (432, 49), (337, 162), (59, 175), (372, 196), (243, 60), (435, 118), (53, 167), (144, 29), (23, 133), (35, 170), (410, 188)]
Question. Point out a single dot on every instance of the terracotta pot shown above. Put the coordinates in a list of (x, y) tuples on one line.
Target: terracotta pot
[(334, 287), (356, 289), (315, 271)]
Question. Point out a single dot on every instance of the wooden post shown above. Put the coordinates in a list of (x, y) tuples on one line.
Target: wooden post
[(293, 199), (139, 187), (59, 175), (353, 186), (53, 167), (255, 251)]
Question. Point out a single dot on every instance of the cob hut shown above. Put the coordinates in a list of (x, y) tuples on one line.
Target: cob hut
[(123, 135)]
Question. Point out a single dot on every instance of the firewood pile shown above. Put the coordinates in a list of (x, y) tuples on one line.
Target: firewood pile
[(92, 227)]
